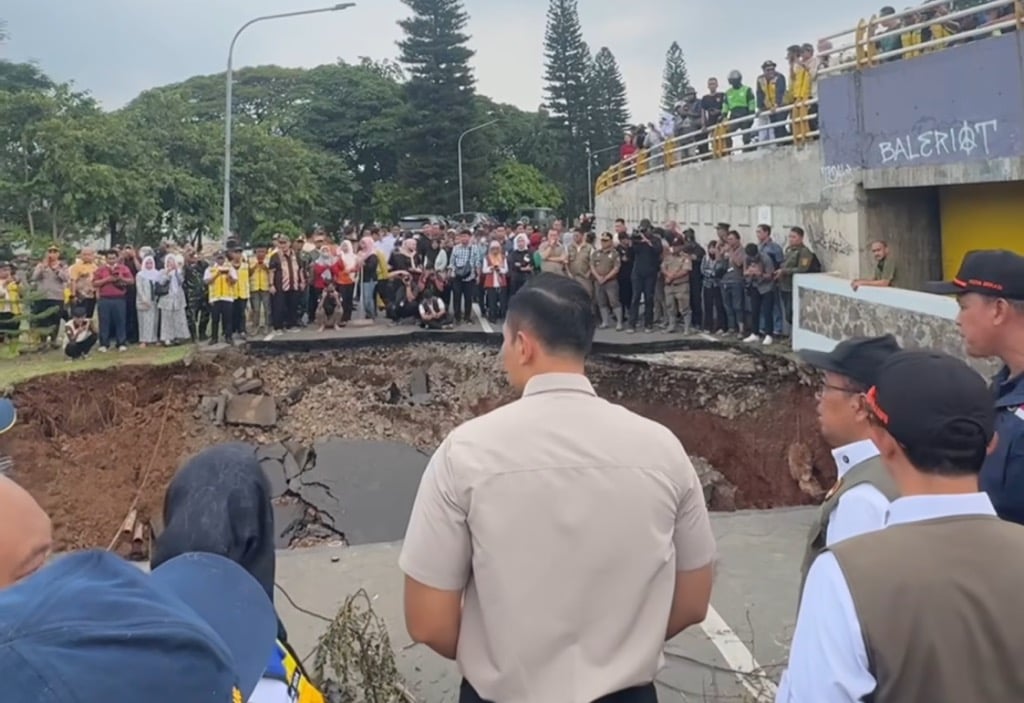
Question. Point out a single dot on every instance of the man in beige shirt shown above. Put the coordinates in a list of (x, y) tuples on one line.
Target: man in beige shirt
[(554, 568)]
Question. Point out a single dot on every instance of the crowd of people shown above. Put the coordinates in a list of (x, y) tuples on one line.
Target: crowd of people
[(778, 107), (646, 279), (907, 586)]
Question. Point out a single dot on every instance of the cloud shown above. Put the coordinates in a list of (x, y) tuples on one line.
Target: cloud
[(117, 48)]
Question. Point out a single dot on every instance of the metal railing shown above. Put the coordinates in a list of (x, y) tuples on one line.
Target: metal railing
[(863, 45), (717, 142)]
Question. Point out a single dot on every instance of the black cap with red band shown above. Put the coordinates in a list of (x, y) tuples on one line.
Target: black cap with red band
[(927, 398), (994, 272)]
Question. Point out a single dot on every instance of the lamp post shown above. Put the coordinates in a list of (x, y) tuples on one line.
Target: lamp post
[(462, 202), (227, 102), (590, 174)]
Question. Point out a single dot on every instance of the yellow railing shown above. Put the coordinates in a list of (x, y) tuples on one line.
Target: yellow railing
[(902, 35), (720, 141)]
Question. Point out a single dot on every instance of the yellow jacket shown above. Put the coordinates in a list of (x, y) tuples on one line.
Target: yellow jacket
[(11, 302), (242, 284), (259, 277)]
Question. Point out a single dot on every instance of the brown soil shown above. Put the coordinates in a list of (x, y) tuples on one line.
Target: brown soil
[(85, 444)]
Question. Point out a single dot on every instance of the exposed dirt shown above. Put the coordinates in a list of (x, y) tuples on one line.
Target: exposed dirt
[(85, 443)]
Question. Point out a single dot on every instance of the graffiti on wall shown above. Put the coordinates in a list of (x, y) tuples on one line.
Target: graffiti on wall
[(966, 140), (837, 176), (826, 243)]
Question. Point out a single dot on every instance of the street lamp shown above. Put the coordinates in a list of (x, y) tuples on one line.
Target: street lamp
[(227, 102), (590, 175), (462, 202)]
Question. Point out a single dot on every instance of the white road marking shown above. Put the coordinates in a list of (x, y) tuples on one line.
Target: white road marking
[(705, 335), (483, 320), (738, 657), (270, 336)]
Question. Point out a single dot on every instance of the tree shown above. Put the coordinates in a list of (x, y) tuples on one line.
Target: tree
[(610, 113), (566, 59), (440, 93), (514, 185), (675, 80)]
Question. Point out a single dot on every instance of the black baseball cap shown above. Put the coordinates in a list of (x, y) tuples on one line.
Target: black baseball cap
[(994, 272), (927, 398), (857, 358)]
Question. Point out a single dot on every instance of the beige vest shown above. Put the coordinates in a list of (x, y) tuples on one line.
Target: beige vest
[(871, 471), (938, 603)]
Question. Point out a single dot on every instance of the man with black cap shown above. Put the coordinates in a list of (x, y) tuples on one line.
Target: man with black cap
[(926, 608), (93, 628), (860, 498), (990, 291)]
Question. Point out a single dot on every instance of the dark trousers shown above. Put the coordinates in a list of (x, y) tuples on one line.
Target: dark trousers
[(732, 296), (463, 294), (221, 314), (787, 305), (643, 286), (714, 309), (495, 301), (197, 314), (636, 694), (113, 321), (696, 306), (46, 316), (626, 297), (284, 306), (87, 304), (238, 309), (131, 316), (516, 281), (9, 326), (346, 291), (312, 300), (76, 350)]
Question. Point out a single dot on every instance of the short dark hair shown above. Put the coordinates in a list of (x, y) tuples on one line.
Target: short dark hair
[(797, 230), (965, 460), (766, 228), (723, 225), (620, 221), (750, 249), (557, 310)]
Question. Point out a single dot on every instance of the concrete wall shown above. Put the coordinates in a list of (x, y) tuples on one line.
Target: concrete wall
[(927, 112), (827, 310), (908, 219), (782, 187)]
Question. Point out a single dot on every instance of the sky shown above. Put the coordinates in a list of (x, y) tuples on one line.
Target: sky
[(117, 48)]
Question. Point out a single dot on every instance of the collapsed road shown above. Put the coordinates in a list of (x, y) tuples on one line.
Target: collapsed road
[(345, 435)]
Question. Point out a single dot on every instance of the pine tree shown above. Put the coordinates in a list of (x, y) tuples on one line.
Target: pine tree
[(566, 59), (609, 114), (440, 93), (675, 80)]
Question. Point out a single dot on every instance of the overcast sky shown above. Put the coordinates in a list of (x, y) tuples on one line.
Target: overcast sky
[(117, 48)]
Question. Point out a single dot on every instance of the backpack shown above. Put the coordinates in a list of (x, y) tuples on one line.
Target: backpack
[(815, 266)]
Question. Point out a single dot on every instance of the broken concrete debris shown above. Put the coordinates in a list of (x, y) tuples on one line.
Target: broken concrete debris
[(251, 410)]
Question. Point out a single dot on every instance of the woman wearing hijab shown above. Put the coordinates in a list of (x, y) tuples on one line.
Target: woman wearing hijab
[(495, 273), (520, 264), (173, 317), (219, 503), (146, 299), (326, 269), (348, 270)]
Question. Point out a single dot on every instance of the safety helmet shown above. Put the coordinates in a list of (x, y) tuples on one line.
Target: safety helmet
[(735, 76)]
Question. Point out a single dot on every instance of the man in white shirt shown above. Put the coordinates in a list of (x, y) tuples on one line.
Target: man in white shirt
[(555, 568), (928, 608), (858, 501)]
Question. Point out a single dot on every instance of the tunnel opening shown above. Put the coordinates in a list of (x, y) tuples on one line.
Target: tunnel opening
[(343, 435)]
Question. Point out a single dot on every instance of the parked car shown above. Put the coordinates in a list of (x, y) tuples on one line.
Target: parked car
[(471, 220), (416, 223), (542, 217)]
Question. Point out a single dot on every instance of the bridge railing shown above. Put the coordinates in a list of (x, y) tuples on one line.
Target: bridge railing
[(885, 38), (717, 142)]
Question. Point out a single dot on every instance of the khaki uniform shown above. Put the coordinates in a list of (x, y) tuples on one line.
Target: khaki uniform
[(579, 266), (677, 293), (603, 262), (551, 251)]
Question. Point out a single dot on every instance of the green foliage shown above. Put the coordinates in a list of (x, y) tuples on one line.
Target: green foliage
[(675, 79), (566, 66), (514, 185), (439, 95), (391, 200), (265, 231), (610, 114)]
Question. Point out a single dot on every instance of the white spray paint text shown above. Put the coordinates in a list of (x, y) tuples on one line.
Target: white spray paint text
[(963, 140)]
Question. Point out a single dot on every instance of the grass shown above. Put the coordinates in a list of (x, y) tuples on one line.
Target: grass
[(17, 368)]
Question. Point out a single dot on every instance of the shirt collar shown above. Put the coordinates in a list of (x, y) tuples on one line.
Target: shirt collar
[(849, 455), (918, 508), (554, 382)]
